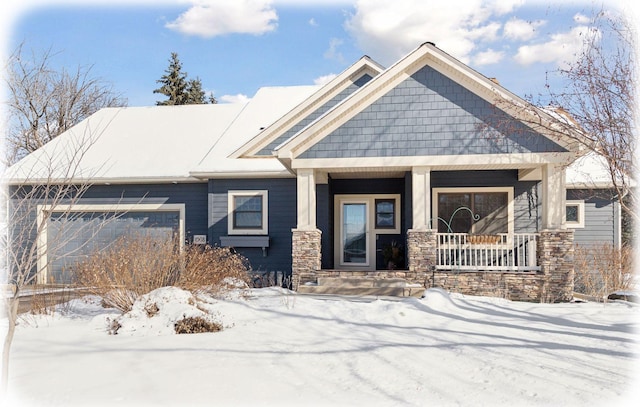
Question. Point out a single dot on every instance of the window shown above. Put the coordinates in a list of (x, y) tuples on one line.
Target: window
[(473, 210), (247, 213), (385, 213), (574, 211)]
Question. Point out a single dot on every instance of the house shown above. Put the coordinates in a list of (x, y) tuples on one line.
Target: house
[(396, 173)]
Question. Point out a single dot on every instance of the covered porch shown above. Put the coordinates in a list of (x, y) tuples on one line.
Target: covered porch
[(525, 261)]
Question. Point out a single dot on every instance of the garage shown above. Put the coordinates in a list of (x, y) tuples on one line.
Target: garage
[(71, 236)]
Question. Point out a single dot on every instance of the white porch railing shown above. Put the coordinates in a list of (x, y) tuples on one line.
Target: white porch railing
[(502, 252)]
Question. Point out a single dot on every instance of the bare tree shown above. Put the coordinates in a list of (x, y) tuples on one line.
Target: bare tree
[(596, 107), (46, 185), (44, 102)]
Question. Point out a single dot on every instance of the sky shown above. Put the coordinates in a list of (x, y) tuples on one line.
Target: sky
[(237, 46)]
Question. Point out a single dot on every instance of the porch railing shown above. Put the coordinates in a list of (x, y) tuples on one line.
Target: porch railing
[(502, 252)]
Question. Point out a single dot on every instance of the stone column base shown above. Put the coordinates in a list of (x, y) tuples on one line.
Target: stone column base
[(555, 258), (305, 253), (421, 249)]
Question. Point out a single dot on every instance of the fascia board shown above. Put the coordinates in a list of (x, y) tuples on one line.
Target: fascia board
[(471, 161), (363, 66)]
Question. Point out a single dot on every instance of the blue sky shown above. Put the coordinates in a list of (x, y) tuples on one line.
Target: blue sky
[(238, 46)]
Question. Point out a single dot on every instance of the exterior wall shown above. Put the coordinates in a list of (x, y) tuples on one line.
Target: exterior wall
[(601, 217), (281, 217), (315, 114), (429, 114), (192, 195), (527, 204)]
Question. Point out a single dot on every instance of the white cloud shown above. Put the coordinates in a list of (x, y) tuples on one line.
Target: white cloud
[(332, 52), (561, 48), (324, 79), (488, 57), (313, 22), (581, 19), (239, 98), (387, 30), (521, 30), (210, 18)]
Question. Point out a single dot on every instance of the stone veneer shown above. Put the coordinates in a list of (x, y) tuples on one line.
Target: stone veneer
[(555, 258), (553, 283), (305, 254)]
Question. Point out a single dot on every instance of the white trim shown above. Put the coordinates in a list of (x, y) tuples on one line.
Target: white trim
[(264, 230), (470, 161), (41, 210), (580, 205), (510, 206), (372, 231)]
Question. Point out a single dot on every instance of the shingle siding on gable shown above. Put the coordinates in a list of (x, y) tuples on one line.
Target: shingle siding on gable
[(315, 114), (427, 114)]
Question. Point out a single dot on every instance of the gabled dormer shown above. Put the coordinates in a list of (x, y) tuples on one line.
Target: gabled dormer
[(323, 100)]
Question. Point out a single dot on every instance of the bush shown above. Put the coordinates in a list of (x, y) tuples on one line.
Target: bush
[(196, 325), (603, 269), (133, 266)]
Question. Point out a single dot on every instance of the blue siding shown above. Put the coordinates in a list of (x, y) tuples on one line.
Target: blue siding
[(281, 213), (600, 225), (429, 114), (527, 204), (324, 214), (315, 114), (193, 195)]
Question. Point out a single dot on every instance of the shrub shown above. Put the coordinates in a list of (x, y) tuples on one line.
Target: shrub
[(603, 269), (135, 265), (196, 325)]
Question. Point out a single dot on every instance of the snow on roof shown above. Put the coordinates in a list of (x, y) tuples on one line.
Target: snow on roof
[(268, 105), (589, 171), (159, 143)]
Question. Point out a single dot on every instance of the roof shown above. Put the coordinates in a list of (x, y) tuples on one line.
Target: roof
[(159, 143), (590, 171)]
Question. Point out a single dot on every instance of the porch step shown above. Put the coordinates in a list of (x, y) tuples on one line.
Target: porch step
[(392, 287)]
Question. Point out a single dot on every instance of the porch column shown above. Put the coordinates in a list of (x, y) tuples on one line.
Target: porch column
[(421, 197), (306, 238), (306, 199), (553, 197), (421, 238), (555, 242)]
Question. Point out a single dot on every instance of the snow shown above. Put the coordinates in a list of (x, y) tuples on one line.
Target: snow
[(280, 348)]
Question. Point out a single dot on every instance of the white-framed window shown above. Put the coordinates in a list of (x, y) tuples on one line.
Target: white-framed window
[(574, 212), (248, 212), (477, 210)]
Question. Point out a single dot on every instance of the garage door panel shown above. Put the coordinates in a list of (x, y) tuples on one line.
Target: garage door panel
[(71, 237)]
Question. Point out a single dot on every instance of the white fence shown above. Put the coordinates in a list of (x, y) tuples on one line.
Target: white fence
[(503, 252)]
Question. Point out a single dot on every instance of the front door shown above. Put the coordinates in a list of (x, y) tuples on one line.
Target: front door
[(359, 221), (354, 236)]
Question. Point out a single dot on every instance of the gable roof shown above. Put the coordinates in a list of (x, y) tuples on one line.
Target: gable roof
[(425, 55), (324, 95)]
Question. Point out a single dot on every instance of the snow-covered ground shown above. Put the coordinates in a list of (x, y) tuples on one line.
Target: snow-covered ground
[(278, 348)]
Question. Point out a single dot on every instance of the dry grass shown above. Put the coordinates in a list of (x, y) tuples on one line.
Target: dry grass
[(603, 269), (134, 266)]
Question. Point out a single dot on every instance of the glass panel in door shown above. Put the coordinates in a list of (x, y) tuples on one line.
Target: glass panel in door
[(354, 233)]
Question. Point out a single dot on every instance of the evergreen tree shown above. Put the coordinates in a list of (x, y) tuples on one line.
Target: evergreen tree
[(179, 89), (174, 83), (195, 94)]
